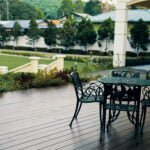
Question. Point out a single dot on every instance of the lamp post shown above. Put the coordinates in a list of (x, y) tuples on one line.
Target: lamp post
[(7, 8)]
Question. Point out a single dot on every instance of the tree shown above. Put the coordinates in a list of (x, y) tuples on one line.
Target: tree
[(33, 32), (85, 33), (66, 7), (19, 10), (106, 32), (48, 7), (16, 32), (50, 34), (93, 7), (67, 33), (4, 35), (139, 36), (79, 6)]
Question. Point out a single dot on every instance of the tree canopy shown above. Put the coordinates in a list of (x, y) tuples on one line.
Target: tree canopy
[(93, 7), (67, 33), (85, 33), (50, 34), (139, 36), (106, 31), (33, 32), (16, 32), (4, 35), (66, 7), (19, 10)]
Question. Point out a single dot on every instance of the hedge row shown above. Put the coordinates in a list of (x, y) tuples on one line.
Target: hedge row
[(75, 51)]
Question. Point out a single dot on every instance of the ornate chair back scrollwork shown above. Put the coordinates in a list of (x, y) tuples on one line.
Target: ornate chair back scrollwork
[(85, 94), (124, 98), (145, 103)]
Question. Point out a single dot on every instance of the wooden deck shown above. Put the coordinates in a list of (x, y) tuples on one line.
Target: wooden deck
[(38, 119)]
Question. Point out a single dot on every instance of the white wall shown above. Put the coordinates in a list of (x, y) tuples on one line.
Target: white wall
[(23, 41)]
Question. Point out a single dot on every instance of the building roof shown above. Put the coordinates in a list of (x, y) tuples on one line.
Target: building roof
[(142, 3), (133, 16), (25, 23), (83, 15)]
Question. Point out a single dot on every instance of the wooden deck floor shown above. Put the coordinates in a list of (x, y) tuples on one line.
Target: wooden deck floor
[(38, 119)]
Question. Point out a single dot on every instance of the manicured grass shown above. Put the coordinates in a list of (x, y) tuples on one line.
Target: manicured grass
[(16, 61)]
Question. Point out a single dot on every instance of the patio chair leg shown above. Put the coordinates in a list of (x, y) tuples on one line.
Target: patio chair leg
[(80, 105), (76, 110), (142, 120)]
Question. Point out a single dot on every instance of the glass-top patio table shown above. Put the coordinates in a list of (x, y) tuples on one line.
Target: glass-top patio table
[(122, 94)]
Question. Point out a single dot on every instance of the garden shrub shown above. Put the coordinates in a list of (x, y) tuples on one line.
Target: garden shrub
[(19, 81), (24, 80), (22, 53)]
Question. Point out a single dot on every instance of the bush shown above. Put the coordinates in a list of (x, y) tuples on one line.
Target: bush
[(24, 80), (11, 52), (19, 81)]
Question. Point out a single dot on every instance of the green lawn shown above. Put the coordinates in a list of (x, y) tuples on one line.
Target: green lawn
[(16, 61)]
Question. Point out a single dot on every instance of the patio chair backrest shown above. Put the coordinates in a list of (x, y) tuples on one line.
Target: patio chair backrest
[(146, 93), (76, 82), (124, 97)]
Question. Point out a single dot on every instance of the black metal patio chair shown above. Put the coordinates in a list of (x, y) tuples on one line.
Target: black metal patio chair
[(123, 98), (85, 94), (145, 103)]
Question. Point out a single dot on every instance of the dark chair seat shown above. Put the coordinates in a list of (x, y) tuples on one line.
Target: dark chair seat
[(91, 99), (145, 102), (122, 107)]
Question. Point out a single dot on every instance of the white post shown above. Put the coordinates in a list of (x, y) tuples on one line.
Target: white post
[(3, 69), (60, 59), (119, 56), (34, 64)]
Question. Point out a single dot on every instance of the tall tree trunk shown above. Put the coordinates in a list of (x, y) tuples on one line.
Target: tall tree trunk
[(106, 45), (85, 48)]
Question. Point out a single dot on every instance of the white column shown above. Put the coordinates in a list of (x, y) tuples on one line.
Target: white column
[(3, 69), (60, 59), (119, 56), (34, 64)]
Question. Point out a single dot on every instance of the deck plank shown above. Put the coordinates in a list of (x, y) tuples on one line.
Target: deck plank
[(39, 119)]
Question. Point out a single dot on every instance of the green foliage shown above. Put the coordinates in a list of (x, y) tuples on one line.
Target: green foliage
[(19, 9), (16, 32), (85, 33), (4, 35), (67, 34), (139, 36), (33, 32), (66, 8), (93, 7), (79, 6), (19, 81), (48, 7), (106, 31), (16, 61), (12, 52), (50, 34)]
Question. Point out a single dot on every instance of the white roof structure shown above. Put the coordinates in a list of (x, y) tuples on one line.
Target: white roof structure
[(133, 16)]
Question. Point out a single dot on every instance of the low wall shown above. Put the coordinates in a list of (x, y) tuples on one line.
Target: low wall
[(34, 66)]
